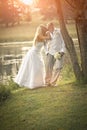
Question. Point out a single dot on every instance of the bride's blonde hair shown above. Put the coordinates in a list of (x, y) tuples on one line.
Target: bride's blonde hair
[(41, 31)]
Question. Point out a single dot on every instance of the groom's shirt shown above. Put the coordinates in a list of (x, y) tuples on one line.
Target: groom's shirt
[(56, 44)]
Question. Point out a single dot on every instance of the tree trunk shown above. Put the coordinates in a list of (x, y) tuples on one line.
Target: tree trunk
[(82, 35), (69, 42)]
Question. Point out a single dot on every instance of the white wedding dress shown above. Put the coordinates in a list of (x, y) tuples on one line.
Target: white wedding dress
[(32, 72)]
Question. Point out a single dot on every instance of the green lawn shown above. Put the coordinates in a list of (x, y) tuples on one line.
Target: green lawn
[(51, 108)]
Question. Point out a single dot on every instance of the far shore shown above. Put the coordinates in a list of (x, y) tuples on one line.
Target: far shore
[(24, 42), (16, 43)]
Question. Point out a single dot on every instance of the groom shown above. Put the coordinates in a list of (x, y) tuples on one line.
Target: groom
[(55, 51)]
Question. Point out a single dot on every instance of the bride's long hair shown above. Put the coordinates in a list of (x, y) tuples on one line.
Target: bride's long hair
[(41, 31)]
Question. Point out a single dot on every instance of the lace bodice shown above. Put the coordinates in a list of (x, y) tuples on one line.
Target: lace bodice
[(38, 46)]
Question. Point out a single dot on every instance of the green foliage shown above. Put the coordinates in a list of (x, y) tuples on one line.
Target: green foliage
[(12, 85), (81, 82), (4, 92), (11, 13), (68, 72), (5, 89)]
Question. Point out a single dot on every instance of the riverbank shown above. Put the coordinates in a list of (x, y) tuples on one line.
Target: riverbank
[(16, 43), (27, 43)]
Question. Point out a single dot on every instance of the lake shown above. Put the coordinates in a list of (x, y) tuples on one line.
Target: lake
[(11, 55)]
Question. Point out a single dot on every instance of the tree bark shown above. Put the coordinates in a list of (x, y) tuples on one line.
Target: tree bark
[(69, 42), (82, 35)]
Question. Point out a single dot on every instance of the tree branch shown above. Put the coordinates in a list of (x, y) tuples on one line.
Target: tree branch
[(72, 6)]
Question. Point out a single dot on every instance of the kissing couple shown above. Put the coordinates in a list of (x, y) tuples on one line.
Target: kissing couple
[(34, 72)]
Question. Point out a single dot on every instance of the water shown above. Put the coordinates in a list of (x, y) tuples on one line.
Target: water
[(11, 55)]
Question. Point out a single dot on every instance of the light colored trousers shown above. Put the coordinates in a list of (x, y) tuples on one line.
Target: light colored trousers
[(53, 68)]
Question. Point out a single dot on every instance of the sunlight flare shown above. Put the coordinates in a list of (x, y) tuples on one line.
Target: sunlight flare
[(27, 2)]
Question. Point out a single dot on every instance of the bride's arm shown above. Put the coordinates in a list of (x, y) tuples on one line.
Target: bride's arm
[(45, 37)]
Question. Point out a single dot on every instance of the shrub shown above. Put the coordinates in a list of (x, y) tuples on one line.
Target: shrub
[(4, 92), (12, 85)]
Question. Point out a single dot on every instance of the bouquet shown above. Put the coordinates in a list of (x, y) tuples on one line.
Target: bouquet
[(57, 55)]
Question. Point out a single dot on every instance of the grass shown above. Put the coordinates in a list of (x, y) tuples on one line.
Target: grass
[(52, 108)]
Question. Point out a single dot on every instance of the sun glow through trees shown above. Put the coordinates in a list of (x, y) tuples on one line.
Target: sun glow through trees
[(27, 2)]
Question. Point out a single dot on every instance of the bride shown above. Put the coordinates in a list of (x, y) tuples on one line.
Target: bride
[(32, 70)]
